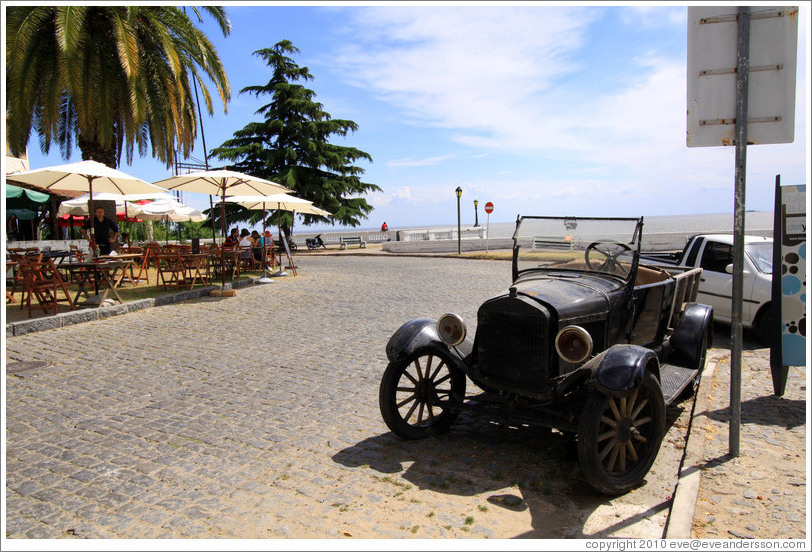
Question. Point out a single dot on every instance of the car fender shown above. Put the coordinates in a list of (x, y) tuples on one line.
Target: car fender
[(686, 341), (619, 370), (422, 333)]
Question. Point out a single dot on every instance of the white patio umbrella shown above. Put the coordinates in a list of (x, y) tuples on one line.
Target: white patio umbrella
[(79, 205), (280, 202), (84, 176), (222, 183), (171, 210), (283, 202)]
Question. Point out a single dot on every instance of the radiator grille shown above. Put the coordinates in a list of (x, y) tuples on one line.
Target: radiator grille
[(513, 343)]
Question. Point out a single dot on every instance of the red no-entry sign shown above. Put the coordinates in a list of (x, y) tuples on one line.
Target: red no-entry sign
[(489, 207)]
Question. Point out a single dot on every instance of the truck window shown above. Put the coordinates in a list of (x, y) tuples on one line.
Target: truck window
[(716, 256), (690, 259)]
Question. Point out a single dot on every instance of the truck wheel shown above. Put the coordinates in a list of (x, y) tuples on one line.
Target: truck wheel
[(420, 395), (619, 438), (764, 326)]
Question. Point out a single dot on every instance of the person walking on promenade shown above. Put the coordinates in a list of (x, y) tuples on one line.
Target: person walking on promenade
[(105, 232)]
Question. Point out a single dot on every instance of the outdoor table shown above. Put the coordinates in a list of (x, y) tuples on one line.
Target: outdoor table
[(58, 256), (93, 270)]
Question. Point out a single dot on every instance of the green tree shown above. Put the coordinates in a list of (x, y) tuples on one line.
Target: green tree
[(290, 146), (110, 78)]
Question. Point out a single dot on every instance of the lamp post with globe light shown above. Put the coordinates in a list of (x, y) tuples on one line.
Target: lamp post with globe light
[(459, 224)]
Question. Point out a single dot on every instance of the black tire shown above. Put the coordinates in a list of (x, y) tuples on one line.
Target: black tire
[(618, 439), (420, 396), (763, 327)]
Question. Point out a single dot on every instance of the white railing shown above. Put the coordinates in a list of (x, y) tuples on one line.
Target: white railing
[(442, 234)]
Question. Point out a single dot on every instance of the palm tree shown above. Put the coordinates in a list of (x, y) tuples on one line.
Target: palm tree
[(110, 78)]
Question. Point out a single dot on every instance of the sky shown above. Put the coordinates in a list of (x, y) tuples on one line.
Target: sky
[(539, 108)]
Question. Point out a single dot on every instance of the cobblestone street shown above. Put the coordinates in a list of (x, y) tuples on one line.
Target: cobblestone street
[(256, 416)]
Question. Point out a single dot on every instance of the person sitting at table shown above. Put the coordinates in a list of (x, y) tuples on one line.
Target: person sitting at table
[(246, 243), (257, 247), (233, 239), (105, 232)]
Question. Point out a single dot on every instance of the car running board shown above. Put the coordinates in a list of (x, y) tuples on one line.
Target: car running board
[(674, 379)]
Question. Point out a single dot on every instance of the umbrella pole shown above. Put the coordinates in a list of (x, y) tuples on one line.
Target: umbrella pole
[(90, 217), (222, 249), (280, 272), (264, 279), (211, 210)]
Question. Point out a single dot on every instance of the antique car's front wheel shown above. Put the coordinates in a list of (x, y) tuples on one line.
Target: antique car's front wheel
[(420, 395), (619, 438)]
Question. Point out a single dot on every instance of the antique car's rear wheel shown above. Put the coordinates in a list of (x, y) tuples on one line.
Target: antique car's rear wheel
[(420, 396), (619, 438)]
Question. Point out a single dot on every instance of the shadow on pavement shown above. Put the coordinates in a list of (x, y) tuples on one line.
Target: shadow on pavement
[(768, 410), (721, 338), (525, 469)]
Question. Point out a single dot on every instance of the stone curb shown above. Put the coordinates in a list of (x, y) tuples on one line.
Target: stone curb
[(683, 505), (69, 318)]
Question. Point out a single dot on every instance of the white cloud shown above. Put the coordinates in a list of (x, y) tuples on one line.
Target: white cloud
[(419, 162), (515, 84)]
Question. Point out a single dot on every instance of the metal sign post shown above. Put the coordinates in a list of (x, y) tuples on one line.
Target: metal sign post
[(717, 118), (742, 74), (488, 210)]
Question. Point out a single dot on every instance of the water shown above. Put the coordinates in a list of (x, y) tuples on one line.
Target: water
[(721, 223)]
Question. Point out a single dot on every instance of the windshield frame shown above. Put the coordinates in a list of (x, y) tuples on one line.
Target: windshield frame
[(571, 222)]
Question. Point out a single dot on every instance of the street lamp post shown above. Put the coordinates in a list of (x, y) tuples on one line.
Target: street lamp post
[(459, 224), (476, 213)]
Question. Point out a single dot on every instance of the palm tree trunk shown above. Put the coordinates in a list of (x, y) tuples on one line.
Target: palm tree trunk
[(92, 150)]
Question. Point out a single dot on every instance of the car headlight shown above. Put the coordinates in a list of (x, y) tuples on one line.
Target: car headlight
[(451, 329), (573, 344)]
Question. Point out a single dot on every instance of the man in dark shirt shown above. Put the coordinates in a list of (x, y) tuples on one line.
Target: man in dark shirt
[(105, 232), (233, 238)]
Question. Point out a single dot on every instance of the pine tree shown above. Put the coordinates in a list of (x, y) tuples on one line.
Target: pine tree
[(290, 146)]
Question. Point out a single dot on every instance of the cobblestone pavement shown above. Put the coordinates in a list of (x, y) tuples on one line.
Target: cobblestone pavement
[(256, 416), (763, 492)]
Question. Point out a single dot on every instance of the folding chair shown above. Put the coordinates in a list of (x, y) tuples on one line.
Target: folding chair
[(18, 255), (141, 265), (43, 283), (171, 272)]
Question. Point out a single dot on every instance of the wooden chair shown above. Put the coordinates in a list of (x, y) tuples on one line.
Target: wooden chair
[(17, 255), (229, 257), (270, 255), (43, 283), (154, 251), (246, 258), (171, 272), (141, 265), (196, 269)]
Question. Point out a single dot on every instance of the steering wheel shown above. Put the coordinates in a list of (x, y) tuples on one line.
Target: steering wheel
[(604, 256)]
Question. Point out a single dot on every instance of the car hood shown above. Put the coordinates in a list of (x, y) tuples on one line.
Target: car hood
[(570, 294)]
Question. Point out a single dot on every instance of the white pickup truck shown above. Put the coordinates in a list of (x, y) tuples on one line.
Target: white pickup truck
[(714, 254)]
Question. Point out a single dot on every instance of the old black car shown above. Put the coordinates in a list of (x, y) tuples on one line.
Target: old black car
[(586, 340)]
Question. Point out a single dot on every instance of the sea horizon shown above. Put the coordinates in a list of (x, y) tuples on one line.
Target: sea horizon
[(696, 223)]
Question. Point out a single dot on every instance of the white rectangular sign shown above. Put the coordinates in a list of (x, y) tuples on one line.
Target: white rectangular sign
[(712, 62)]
